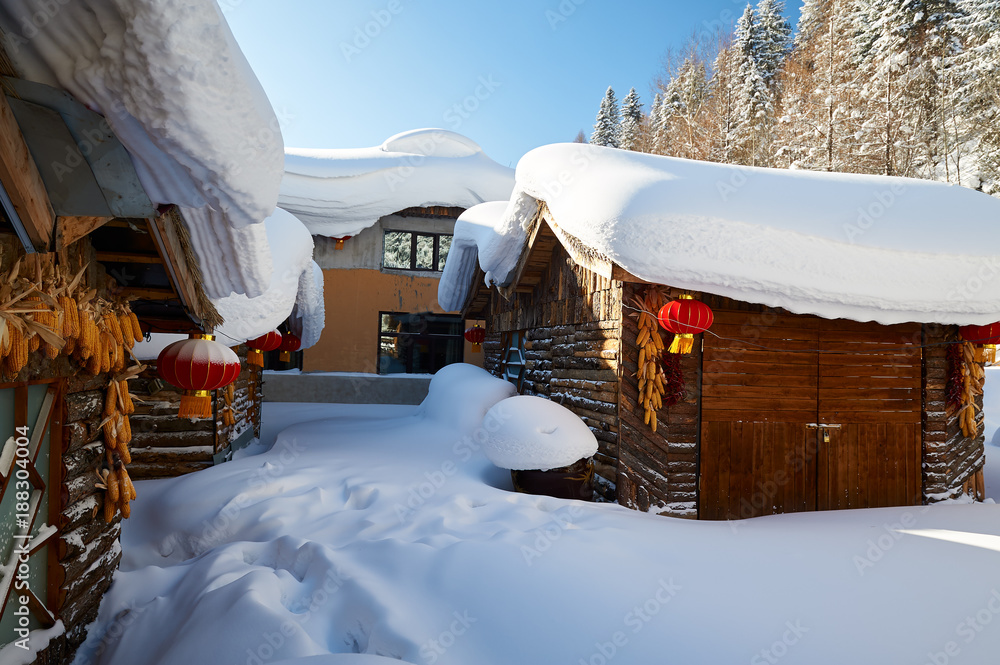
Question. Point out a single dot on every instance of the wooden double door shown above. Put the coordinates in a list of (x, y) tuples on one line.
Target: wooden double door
[(801, 413)]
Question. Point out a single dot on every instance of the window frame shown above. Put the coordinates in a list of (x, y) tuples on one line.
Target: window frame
[(458, 339), (414, 235)]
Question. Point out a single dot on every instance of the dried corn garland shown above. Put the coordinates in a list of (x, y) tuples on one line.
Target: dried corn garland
[(651, 379), (117, 429), (973, 378)]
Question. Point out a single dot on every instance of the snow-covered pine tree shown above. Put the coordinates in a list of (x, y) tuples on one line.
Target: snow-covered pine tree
[(821, 105), (774, 36), (630, 137), (607, 131), (754, 102), (682, 108), (721, 113), (906, 49), (976, 95), (653, 125)]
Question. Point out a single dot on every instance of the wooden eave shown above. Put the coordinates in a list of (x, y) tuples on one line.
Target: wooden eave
[(23, 183)]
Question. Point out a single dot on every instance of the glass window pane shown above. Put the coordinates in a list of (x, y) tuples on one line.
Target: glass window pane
[(444, 244), (397, 250), (391, 356), (425, 252)]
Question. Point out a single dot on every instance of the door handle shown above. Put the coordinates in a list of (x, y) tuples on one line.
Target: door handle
[(822, 426)]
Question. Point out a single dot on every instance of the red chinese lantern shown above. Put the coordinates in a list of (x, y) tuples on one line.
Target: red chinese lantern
[(289, 343), (685, 318), (988, 336), (199, 365), (268, 342), (476, 336)]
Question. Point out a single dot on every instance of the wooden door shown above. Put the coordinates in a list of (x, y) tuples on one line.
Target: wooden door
[(869, 385), (801, 413)]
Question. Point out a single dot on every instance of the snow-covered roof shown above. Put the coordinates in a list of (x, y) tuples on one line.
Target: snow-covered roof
[(344, 191), (291, 251), (836, 245), (180, 96)]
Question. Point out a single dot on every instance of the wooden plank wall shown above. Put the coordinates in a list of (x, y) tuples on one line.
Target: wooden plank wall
[(658, 471), (572, 322), (247, 399), (953, 462)]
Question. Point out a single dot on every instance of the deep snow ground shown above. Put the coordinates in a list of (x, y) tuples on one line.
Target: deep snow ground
[(379, 532)]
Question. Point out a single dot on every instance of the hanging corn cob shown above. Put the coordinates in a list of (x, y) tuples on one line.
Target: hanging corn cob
[(650, 344), (973, 378)]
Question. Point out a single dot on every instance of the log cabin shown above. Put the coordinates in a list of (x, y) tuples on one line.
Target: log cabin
[(833, 374), (97, 223)]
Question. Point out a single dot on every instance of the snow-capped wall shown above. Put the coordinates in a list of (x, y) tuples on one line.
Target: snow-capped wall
[(341, 192), (179, 94), (861, 247)]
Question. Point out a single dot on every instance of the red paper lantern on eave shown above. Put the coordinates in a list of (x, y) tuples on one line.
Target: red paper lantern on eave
[(289, 343), (198, 365), (988, 334), (476, 336), (685, 317), (267, 342)]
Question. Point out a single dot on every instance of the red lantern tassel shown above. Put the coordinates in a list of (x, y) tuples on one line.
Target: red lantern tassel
[(477, 348), (990, 353), (682, 343), (285, 356), (196, 404), (255, 357)]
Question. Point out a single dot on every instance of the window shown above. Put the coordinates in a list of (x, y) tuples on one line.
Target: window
[(513, 360), (418, 343), (410, 250)]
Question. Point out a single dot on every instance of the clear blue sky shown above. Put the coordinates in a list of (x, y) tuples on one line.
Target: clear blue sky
[(511, 75)]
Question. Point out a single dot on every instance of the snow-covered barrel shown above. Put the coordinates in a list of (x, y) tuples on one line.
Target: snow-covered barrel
[(545, 445)]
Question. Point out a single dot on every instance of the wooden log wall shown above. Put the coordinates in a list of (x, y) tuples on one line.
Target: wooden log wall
[(571, 320), (165, 446), (247, 398), (953, 463), (87, 551), (658, 471)]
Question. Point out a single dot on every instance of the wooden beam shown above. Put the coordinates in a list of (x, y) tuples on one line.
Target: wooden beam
[(126, 257), (152, 293), (172, 255), (620, 274), (71, 229), (22, 181)]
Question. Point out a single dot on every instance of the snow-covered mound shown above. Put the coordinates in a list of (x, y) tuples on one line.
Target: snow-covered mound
[(179, 94), (461, 394), (528, 432), (291, 251), (344, 191), (838, 245)]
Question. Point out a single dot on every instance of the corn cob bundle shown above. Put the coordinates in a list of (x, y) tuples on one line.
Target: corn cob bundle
[(112, 324), (973, 377), (136, 329), (106, 349), (649, 373), (88, 342), (125, 325), (17, 357)]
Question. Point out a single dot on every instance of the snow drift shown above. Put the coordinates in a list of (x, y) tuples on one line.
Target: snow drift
[(862, 247), (344, 191)]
